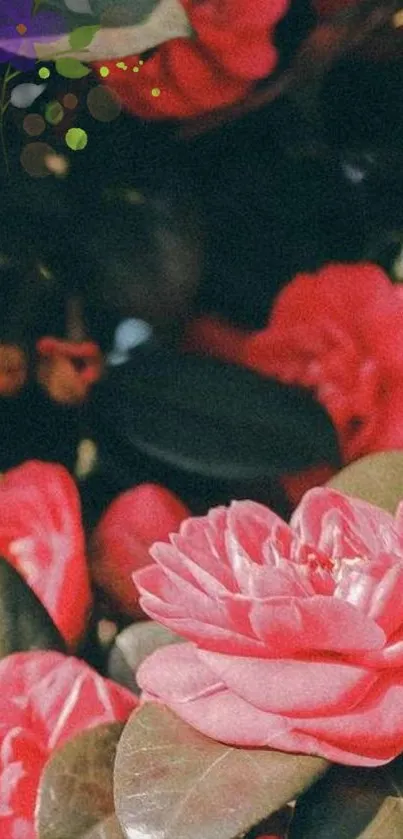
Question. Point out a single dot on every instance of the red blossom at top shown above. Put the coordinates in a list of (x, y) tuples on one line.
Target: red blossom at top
[(230, 50), (41, 535), (340, 333), (295, 632)]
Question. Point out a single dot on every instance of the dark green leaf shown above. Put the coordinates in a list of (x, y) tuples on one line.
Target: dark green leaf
[(71, 68), (24, 622), (76, 790), (173, 783), (377, 478), (207, 418), (352, 803), (132, 646)]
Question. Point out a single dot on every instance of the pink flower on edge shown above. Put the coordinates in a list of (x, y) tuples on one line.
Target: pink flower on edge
[(296, 632), (340, 333), (45, 699), (41, 535)]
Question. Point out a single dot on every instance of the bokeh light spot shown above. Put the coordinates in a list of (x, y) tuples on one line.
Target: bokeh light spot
[(44, 73), (103, 104), (21, 29), (58, 164), (34, 125), (104, 72), (33, 159), (155, 91), (70, 101), (121, 65), (54, 112), (136, 69), (76, 139)]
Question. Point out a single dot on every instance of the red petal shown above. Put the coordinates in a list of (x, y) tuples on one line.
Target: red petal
[(121, 541)]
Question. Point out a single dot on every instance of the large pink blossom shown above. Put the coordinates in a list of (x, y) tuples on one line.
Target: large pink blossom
[(295, 632)]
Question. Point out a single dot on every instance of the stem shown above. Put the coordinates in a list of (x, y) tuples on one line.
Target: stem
[(3, 108), (9, 75)]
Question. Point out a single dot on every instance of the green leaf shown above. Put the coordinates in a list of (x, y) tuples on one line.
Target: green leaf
[(71, 68), (24, 622), (377, 478), (132, 646), (75, 796), (107, 829), (173, 783), (82, 36), (353, 803)]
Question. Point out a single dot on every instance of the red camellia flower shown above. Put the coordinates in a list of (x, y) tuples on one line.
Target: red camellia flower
[(230, 50), (42, 537), (296, 631), (45, 699), (340, 333), (121, 541)]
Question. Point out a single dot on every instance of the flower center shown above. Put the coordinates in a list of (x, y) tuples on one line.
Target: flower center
[(340, 565), (21, 29)]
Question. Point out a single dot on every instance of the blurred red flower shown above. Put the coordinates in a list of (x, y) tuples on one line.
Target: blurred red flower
[(121, 541), (230, 50), (339, 332)]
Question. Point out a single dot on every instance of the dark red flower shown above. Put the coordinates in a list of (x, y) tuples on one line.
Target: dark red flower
[(45, 699), (340, 333), (120, 543), (230, 50), (42, 537), (68, 369), (13, 369)]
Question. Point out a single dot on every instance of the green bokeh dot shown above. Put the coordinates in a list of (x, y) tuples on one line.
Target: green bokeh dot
[(76, 139), (54, 113), (44, 73)]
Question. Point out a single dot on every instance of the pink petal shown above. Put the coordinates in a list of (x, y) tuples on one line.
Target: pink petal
[(345, 527), (371, 735), (297, 688), (254, 538), (379, 595), (201, 540), (199, 566), (183, 599), (248, 526), (399, 519), (289, 625), (176, 673)]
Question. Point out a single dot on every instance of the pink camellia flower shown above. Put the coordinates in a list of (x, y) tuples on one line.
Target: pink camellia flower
[(296, 632), (340, 333)]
